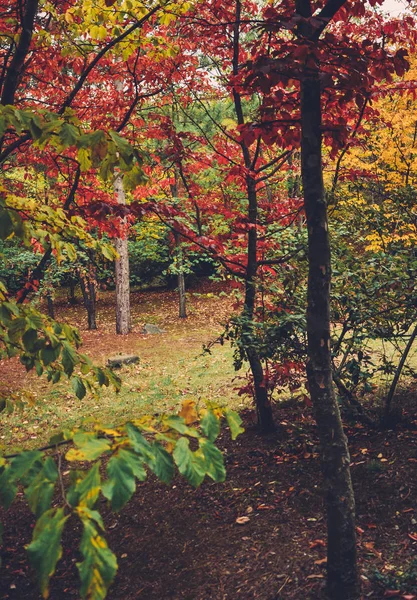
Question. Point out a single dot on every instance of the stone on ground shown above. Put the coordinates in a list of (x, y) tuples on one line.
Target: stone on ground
[(115, 362)]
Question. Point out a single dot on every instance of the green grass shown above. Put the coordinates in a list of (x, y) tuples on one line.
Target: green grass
[(172, 368)]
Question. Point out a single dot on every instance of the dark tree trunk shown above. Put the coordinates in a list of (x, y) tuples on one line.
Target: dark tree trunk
[(71, 293), (88, 289), (17, 64), (51, 308), (182, 311), (263, 406), (342, 576)]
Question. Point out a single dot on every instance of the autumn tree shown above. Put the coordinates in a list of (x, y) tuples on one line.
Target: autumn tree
[(320, 57)]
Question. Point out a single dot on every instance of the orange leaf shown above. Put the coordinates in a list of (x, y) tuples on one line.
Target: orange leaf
[(317, 544)]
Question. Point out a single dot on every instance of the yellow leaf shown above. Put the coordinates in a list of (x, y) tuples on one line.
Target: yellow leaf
[(188, 412)]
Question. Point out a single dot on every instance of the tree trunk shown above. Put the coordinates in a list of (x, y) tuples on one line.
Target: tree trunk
[(51, 308), (88, 289), (342, 576), (263, 405), (182, 312), (123, 319), (71, 293)]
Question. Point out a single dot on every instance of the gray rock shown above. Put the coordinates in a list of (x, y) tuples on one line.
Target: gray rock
[(115, 362), (152, 329)]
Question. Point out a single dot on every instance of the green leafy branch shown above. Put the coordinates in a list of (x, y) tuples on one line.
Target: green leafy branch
[(48, 347), (161, 445)]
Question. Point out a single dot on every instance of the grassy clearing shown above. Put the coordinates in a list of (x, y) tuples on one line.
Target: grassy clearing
[(172, 368)]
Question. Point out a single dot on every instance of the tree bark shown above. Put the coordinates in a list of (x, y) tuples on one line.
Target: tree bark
[(263, 406), (182, 308), (51, 307), (342, 576), (16, 66), (88, 289), (182, 311), (122, 276)]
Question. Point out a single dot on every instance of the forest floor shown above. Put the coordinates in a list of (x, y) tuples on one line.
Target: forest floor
[(174, 542)]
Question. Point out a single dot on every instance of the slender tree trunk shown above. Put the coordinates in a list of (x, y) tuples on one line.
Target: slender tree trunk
[(122, 276), (263, 406), (88, 289), (388, 401), (51, 308), (182, 312), (342, 576), (182, 309), (71, 295)]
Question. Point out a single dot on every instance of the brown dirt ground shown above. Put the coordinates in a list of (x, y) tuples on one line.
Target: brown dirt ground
[(174, 542)]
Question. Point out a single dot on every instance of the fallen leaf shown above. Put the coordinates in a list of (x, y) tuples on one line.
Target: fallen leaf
[(319, 576), (242, 520), (413, 536), (317, 544), (321, 561)]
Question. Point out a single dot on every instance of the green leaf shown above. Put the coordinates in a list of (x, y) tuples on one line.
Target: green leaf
[(123, 146), (86, 489), (68, 135), (45, 550), (89, 447), (99, 566), (69, 358), (178, 424), (6, 224), (210, 425), (8, 489), (49, 354), (16, 328), (108, 252), (190, 464), (214, 460), (21, 464), (163, 464), (154, 455), (78, 387), (139, 443), (84, 159), (234, 421), (29, 339), (41, 489), (122, 469)]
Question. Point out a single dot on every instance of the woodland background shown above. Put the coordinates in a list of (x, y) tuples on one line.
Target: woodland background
[(227, 190)]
